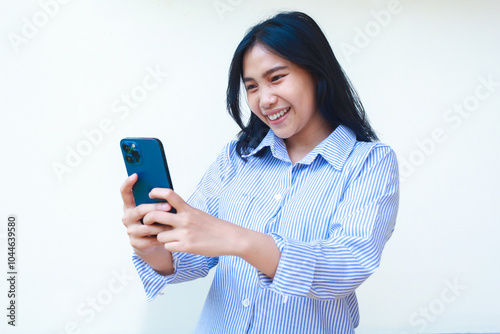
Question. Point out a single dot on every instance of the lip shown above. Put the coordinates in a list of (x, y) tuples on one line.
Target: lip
[(276, 111)]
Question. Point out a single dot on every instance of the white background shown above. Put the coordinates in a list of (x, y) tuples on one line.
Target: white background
[(60, 80)]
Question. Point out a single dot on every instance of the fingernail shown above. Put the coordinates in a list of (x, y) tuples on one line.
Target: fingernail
[(164, 206)]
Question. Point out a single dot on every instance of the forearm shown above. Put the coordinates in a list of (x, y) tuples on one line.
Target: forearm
[(159, 259), (259, 250)]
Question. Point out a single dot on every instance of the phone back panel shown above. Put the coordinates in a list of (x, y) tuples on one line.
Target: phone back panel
[(146, 157)]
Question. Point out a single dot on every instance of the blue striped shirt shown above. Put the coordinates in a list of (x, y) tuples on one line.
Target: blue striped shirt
[(330, 215)]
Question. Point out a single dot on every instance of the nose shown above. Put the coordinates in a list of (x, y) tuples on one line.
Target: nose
[(267, 98)]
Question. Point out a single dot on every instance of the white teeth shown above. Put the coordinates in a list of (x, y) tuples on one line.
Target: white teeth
[(278, 114)]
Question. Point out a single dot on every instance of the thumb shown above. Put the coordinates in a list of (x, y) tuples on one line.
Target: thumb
[(170, 196)]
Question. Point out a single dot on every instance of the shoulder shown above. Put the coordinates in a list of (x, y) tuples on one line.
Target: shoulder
[(228, 161), (362, 150), (228, 153), (366, 155)]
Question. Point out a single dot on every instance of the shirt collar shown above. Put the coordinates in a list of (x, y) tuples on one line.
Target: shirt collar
[(277, 145), (335, 148)]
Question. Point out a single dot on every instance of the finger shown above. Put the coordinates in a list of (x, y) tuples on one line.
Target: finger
[(134, 215), (126, 191), (143, 243), (144, 231), (167, 237), (170, 196), (160, 217), (171, 241), (140, 211)]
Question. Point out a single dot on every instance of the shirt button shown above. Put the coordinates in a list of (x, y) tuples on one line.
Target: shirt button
[(277, 197), (245, 303)]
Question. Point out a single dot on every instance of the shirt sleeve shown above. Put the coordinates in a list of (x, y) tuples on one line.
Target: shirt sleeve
[(189, 266), (362, 223)]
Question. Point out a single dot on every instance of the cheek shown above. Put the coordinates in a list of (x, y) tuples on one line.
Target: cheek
[(253, 103), (306, 89), (308, 99)]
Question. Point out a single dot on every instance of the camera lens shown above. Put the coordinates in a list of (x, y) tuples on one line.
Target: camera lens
[(129, 158), (126, 148), (135, 154)]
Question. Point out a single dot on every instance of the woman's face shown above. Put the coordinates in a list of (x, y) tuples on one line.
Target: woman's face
[(282, 95)]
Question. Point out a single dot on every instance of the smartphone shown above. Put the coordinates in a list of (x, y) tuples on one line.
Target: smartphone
[(146, 157)]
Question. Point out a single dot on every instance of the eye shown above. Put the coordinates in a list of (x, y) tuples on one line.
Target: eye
[(250, 87), (277, 77)]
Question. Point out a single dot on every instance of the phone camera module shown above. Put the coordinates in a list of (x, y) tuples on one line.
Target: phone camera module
[(132, 152), (129, 158)]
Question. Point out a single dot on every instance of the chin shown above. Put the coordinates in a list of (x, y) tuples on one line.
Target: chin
[(283, 135)]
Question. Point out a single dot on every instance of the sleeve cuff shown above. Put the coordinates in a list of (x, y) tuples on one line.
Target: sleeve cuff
[(186, 267), (152, 281), (264, 280), (295, 272)]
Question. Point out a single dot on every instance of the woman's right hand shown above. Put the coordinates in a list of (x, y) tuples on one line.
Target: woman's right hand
[(143, 236)]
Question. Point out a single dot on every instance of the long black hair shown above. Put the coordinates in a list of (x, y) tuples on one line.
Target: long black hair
[(295, 37)]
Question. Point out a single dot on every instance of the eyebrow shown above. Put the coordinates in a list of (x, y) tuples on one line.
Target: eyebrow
[(269, 71)]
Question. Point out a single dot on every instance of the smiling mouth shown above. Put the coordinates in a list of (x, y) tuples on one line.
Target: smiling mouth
[(278, 114)]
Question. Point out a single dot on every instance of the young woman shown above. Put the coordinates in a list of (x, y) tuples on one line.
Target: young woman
[(295, 213)]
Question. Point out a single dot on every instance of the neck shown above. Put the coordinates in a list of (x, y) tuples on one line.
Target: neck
[(298, 147)]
